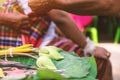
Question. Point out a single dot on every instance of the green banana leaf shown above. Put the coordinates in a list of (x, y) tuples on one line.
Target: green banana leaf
[(73, 66), (77, 68), (23, 60), (46, 74)]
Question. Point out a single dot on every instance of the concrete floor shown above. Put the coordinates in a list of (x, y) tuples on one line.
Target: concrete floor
[(115, 58)]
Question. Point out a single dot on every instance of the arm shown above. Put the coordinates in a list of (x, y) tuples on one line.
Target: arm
[(69, 28), (86, 7), (81, 7)]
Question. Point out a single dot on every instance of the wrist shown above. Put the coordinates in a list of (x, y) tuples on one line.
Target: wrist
[(89, 48)]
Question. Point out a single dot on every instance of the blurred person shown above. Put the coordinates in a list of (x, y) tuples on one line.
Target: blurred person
[(37, 31), (62, 18), (80, 7)]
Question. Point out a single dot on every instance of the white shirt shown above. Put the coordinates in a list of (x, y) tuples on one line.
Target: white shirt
[(50, 35), (25, 6)]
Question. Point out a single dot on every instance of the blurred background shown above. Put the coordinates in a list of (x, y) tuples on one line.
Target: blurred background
[(109, 38), (105, 32)]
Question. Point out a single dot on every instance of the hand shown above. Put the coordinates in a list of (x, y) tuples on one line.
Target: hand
[(102, 53), (41, 7), (17, 21)]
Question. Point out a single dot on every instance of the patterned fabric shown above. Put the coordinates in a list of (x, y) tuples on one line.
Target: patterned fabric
[(66, 44), (10, 38), (37, 32)]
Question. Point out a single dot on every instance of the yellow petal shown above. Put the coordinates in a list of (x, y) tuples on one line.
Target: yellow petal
[(1, 73)]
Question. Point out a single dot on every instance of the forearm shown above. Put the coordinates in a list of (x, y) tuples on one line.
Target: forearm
[(80, 7), (87, 7), (68, 27), (72, 32)]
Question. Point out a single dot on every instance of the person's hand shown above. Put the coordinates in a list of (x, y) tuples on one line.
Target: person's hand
[(41, 7), (102, 53), (17, 21)]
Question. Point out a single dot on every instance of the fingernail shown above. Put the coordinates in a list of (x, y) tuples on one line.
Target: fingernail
[(108, 54)]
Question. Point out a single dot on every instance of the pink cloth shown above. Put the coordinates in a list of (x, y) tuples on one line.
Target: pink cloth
[(82, 21)]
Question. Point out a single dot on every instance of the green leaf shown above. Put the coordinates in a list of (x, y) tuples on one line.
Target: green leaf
[(73, 66), (45, 62), (23, 60), (93, 70), (47, 74)]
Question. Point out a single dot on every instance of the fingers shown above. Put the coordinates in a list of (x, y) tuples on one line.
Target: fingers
[(108, 54), (25, 18), (25, 32), (25, 24), (101, 53), (105, 55)]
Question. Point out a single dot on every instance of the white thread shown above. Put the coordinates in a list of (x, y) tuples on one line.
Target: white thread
[(89, 48), (10, 49), (5, 56)]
